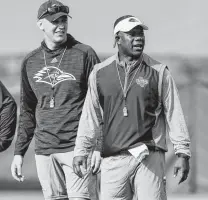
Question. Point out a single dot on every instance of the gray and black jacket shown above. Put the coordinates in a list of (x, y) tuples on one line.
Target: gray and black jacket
[(55, 129), (153, 105)]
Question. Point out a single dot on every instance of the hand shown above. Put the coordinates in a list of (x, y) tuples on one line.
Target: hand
[(182, 165), (16, 168), (95, 162), (80, 165)]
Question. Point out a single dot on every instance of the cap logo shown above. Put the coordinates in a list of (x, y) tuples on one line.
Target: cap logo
[(133, 20)]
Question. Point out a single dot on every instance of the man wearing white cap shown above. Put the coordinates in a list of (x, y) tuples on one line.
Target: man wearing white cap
[(132, 101)]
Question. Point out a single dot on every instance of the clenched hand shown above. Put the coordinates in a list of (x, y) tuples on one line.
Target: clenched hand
[(182, 166)]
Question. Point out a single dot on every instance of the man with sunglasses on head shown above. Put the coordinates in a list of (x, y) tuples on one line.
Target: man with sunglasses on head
[(54, 81), (132, 101)]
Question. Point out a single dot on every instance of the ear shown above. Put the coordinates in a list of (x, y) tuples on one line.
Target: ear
[(117, 38), (40, 24)]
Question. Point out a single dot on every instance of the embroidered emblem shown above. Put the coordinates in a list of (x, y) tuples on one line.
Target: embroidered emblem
[(52, 76), (54, 60), (54, 5), (141, 81), (133, 20)]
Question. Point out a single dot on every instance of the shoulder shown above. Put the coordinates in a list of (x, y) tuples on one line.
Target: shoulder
[(167, 75), (84, 48), (4, 93), (30, 55), (154, 63), (97, 67), (80, 47), (105, 63)]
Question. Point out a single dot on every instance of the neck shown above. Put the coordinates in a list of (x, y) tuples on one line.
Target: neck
[(129, 59), (52, 45)]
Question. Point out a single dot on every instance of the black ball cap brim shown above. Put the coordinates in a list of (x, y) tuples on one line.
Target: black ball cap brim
[(54, 17)]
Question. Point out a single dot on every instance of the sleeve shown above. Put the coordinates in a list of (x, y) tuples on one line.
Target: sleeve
[(178, 131), (89, 134), (8, 118), (90, 61), (27, 122)]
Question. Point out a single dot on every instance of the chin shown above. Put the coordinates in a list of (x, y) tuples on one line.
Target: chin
[(60, 39), (137, 54)]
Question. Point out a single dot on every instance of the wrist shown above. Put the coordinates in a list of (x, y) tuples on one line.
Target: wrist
[(182, 155)]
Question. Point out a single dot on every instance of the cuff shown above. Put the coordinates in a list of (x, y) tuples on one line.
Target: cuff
[(19, 153), (183, 149), (182, 155), (83, 146), (80, 152)]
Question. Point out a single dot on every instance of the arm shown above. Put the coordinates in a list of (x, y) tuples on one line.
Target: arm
[(8, 118), (90, 126), (27, 120), (27, 125), (178, 131), (91, 60)]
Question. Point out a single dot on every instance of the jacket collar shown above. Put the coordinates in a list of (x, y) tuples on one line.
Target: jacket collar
[(124, 64), (69, 43)]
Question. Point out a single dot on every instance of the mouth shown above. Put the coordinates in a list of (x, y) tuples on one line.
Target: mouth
[(138, 46), (60, 32)]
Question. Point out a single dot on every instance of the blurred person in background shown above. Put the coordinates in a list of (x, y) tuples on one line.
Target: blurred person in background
[(54, 81), (132, 101), (8, 118)]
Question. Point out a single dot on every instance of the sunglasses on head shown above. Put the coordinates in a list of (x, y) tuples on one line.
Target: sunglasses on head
[(55, 9)]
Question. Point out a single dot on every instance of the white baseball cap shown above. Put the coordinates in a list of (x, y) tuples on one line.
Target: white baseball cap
[(126, 23)]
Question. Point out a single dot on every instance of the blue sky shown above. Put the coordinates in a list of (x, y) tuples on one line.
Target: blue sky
[(178, 26)]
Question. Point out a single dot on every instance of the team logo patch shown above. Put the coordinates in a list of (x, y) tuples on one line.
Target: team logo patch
[(52, 75), (142, 82), (132, 20)]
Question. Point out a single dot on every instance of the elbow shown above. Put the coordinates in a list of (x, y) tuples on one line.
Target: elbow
[(6, 140), (4, 145)]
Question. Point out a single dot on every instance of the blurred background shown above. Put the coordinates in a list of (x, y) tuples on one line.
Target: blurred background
[(177, 36)]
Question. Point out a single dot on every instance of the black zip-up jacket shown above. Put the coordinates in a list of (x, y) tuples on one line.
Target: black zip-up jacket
[(8, 118), (55, 128)]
